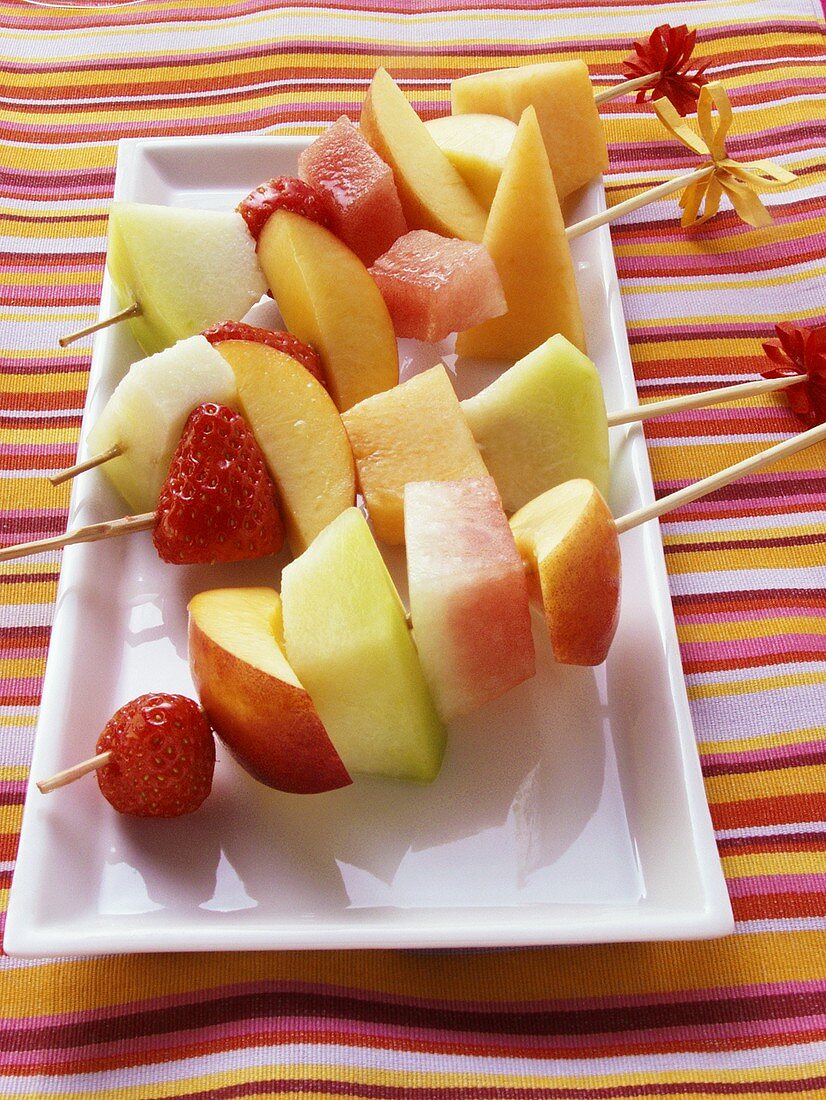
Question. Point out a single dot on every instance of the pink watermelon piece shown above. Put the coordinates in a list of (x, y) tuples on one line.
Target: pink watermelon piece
[(469, 600), (367, 213), (436, 285)]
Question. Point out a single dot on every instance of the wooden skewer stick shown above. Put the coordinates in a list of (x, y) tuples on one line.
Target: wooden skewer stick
[(131, 311), (88, 464), (722, 477), (626, 86), (702, 399), (634, 203), (69, 775), (95, 532)]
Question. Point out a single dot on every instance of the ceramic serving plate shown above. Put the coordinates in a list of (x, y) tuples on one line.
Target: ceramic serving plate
[(570, 811)]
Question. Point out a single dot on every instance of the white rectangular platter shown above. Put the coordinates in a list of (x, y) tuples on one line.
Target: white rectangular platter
[(570, 811)]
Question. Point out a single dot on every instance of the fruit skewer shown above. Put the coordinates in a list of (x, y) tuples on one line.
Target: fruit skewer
[(577, 498), (632, 414), (97, 532)]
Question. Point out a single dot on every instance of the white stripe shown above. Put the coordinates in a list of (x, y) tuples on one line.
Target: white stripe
[(281, 1061), (785, 924), (745, 580), (741, 675), (31, 414), (715, 440), (772, 830), (780, 525)]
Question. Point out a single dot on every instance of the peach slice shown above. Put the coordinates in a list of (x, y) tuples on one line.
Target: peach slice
[(298, 428), (525, 236), (433, 194), (569, 540), (329, 300), (414, 432), (254, 700), (468, 593)]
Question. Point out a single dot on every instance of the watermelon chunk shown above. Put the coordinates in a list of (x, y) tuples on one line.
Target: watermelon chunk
[(437, 285), (468, 593), (367, 213)]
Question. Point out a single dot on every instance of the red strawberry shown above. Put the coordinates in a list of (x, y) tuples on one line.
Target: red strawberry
[(307, 356), (284, 193), (163, 757), (218, 502)]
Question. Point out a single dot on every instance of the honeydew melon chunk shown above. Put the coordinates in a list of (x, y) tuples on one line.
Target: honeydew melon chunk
[(563, 97), (146, 413), (477, 147), (186, 269), (542, 422), (525, 236), (347, 640), (468, 593)]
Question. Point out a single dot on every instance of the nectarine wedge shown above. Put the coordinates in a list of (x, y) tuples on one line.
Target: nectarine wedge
[(433, 194), (252, 697), (329, 300), (569, 540), (300, 432)]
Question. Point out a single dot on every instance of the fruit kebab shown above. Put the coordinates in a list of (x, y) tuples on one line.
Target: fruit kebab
[(308, 687), (541, 422), (273, 379)]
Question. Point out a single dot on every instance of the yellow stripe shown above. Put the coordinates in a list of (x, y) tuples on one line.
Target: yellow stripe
[(768, 741), (766, 784)]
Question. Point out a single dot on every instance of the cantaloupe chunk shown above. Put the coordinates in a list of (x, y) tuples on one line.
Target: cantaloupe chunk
[(525, 236), (414, 432), (563, 97), (477, 146)]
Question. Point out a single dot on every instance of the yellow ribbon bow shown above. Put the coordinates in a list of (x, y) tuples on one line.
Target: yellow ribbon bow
[(740, 182)]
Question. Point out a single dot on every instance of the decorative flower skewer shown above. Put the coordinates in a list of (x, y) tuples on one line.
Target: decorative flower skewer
[(660, 68)]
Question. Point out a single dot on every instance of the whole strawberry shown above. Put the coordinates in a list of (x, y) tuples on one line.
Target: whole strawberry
[(163, 757), (218, 503), (307, 356), (284, 193)]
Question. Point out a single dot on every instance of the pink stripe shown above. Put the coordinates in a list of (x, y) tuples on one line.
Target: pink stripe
[(776, 884), (782, 756), (753, 647)]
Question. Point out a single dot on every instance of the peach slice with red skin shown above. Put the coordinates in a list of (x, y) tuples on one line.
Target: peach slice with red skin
[(253, 699), (569, 540)]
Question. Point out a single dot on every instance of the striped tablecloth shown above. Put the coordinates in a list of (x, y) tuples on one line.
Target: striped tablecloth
[(742, 1016)]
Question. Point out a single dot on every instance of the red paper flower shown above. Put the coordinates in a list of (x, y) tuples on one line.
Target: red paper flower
[(668, 52), (801, 351)]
